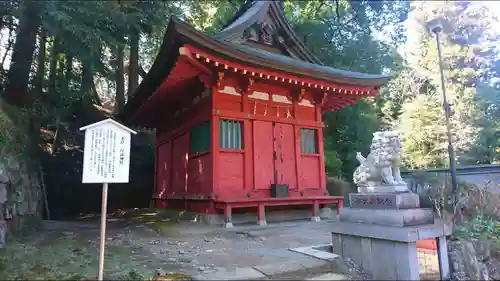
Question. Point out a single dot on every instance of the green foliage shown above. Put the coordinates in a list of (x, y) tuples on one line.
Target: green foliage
[(342, 35), (479, 227), (348, 130), (131, 275), (422, 124), (364, 36), (333, 163), (469, 59), (13, 128)]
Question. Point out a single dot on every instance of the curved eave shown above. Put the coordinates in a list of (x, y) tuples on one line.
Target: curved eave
[(162, 65), (179, 33), (279, 63)]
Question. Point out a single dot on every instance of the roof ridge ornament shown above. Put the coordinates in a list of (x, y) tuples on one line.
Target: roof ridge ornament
[(282, 38)]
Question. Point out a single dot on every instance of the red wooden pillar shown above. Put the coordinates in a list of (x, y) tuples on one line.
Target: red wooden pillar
[(296, 130), (156, 165), (214, 141), (155, 189), (247, 156), (170, 164), (319, 137), (248, 181)]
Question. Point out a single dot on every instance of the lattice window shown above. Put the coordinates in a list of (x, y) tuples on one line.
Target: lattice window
[(230, 134), (308, 140)]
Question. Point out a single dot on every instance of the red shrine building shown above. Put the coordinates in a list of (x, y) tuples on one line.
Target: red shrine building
[(238, 115)]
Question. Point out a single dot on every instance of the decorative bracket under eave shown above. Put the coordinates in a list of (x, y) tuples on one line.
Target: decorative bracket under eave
[(245, 85), (205, 74), (260, 73), (297, 95), (320, 98)]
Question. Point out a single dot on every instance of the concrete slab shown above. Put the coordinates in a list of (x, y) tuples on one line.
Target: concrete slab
[(329, 276), (238, 273), (282, 269), (313, 251), (396, 218), (393, 201), (290, 270)]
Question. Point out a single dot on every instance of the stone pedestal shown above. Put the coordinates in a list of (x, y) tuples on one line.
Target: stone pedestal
[(384, 201), (388, 225)]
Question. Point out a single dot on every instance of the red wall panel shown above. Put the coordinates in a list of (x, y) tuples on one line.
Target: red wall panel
[(306, 113), (285, 150), (263, 154), (231, 173), (163, 173), (180, 147), (200, 175), (228, 102), (310, 171)]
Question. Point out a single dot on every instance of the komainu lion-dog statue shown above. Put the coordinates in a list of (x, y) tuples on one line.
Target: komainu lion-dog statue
[(380, 169)]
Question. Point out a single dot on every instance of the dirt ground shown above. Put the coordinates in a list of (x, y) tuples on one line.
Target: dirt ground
[(145, 242)]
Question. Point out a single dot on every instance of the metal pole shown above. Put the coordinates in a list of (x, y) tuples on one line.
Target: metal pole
[(104, 207), (447, 113)]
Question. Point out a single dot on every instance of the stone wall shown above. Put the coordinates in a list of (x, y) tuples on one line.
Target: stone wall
[(487, 175), (20, 198), (473, 260)]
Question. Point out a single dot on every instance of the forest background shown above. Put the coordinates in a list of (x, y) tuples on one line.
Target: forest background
[(59, 58)]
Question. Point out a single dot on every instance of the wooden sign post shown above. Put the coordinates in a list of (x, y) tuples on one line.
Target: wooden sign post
[(106, 159)]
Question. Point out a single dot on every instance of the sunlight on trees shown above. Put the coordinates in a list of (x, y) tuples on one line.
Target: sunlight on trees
[(97, 52)]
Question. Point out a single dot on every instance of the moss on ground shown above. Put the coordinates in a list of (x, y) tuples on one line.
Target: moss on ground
[(71, 258), (163, 221), (170, 277)]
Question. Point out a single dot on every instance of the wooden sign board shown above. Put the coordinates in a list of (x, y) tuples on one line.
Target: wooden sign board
[(106, 156), (106, 159)]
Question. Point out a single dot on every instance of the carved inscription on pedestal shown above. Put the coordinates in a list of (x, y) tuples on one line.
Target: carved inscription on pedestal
[(392, 201), (373, 201)]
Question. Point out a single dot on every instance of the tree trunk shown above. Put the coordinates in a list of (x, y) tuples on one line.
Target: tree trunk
[(87, 78), (16, 90), (53, 67), (69, 73), (142, 72), (97, 99), (133, 69), (120, 81), (57, 138), (88, 86), (40, 71)]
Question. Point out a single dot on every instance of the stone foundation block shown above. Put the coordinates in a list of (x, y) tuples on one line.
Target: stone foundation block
[(395, 218), (388, 253)]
